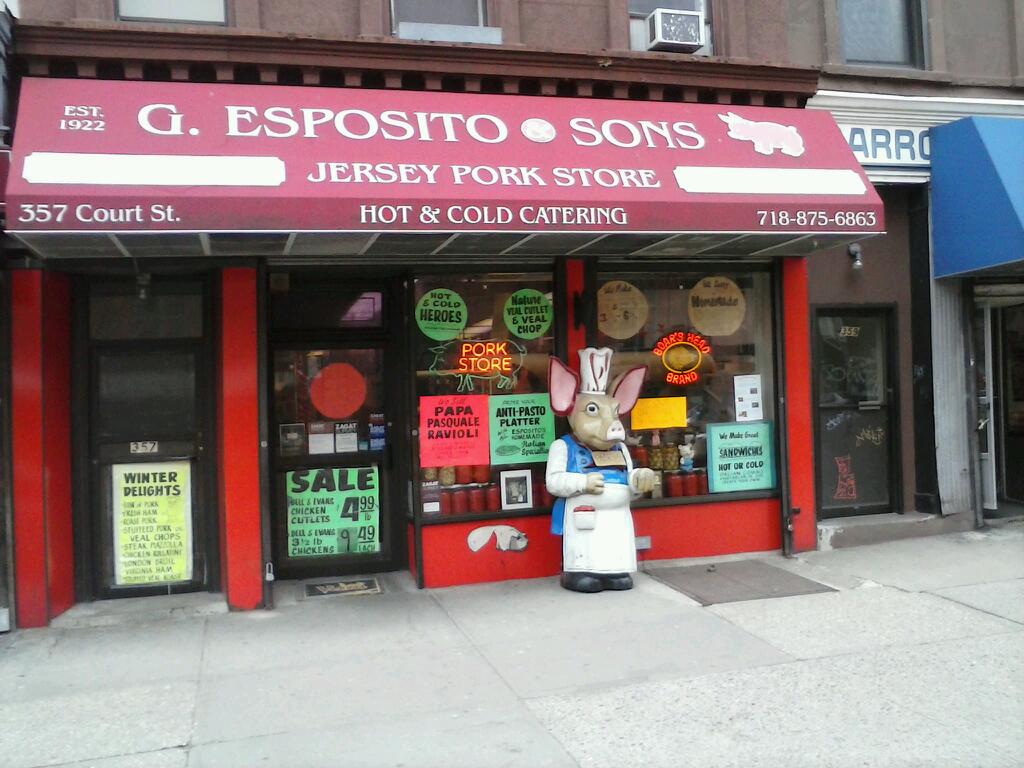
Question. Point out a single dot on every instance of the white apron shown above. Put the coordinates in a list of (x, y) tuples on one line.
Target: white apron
[(607, 547)]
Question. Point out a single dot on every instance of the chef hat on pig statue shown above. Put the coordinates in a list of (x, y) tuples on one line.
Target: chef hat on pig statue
[(590, 473)]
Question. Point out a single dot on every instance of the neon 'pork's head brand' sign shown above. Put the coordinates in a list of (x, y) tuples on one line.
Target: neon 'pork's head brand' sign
[(140, 156), (681, 354)]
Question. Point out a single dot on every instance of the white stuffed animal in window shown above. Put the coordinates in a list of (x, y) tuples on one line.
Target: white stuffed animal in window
[(591, 473)]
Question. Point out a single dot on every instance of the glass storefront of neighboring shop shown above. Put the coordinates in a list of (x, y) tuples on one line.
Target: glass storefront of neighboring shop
[(998, 344)]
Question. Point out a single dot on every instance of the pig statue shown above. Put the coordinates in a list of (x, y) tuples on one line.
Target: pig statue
[(591, 474)]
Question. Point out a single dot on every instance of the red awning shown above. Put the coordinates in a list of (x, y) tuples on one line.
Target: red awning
[(96, 156)]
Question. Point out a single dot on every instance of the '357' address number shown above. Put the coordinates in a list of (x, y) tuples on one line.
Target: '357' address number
[(785, 218)]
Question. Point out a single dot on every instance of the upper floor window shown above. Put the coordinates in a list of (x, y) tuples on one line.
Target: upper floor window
[(883, 32), (640, 35), (448, 21), (185, 11), (468, 13)]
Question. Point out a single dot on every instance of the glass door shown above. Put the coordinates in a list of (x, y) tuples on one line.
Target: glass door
[(1012, 357), (986, 427), (335, 372), (151, 512), (856, 444)]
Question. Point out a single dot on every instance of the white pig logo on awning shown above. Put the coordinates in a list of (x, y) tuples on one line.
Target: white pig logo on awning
[(766, 137)]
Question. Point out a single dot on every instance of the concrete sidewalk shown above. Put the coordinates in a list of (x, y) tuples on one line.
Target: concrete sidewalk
[(916, 660)]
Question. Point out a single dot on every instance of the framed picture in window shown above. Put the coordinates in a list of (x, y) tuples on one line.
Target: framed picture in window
[(517, 489)]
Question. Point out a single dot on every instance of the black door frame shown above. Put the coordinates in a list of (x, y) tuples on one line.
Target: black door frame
[(889, 311), (394, 463), (88, 504)]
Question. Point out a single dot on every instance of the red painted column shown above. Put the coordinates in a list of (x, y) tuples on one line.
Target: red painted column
[(41, 445), (574, 287), (60, 547), (238, 446), (796, 313)]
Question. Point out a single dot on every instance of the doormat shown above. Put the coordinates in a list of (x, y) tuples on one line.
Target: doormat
[(368, 586), (734, 581)]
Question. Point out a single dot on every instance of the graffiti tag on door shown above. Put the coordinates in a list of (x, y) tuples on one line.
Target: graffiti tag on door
[(846, 482)]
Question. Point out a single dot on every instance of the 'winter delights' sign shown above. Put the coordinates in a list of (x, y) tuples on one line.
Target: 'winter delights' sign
[(152, 523)]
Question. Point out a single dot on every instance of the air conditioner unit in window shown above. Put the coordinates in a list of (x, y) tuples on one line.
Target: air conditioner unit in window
[(669, 30)]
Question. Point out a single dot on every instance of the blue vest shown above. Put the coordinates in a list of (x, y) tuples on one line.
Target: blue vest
[(581, 459)]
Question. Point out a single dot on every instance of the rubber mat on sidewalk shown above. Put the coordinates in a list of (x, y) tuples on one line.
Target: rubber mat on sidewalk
[(734, 581), (370, 586)]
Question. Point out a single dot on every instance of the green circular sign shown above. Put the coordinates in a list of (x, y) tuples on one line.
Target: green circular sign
[(528, 313), (441, 314)]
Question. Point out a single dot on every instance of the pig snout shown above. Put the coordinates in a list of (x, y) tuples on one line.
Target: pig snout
[(616, 432)]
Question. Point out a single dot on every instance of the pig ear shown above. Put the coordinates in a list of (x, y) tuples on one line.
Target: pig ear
[(562, 385), (626, 388)]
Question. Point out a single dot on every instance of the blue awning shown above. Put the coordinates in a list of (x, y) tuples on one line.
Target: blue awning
[(978, 196)]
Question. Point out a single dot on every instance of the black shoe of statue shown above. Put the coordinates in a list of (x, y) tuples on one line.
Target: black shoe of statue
[(617, 581), (581, 582)]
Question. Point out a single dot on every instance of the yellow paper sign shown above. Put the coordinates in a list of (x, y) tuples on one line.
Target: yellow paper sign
[(658, 413), (152, 522)]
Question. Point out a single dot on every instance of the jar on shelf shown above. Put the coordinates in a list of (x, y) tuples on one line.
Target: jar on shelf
[(463, 474), (493, 498), (477, 499), (482, 473), (673, 484), (640, 456), (446, 475)]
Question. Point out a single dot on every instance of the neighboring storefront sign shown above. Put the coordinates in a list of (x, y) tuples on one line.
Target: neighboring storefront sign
[(152, 522), (716, 306), (454, 430), (522, 428), (528, 313), (740, 457), (621, 309), (892, 145), (333, 511), (193, 157), (441, 314), (681, 354)]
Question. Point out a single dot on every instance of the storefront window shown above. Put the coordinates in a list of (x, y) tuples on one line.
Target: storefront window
[(329, 401), (485, 423), (706, 416)]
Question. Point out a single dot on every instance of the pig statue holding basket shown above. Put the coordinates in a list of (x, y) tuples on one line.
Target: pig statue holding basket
[(590, 473)]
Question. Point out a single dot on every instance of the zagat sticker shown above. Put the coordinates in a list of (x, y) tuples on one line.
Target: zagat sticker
[(528, 313), (441, 314)]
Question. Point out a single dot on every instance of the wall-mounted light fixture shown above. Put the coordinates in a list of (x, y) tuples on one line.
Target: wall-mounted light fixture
[(853, 251)]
